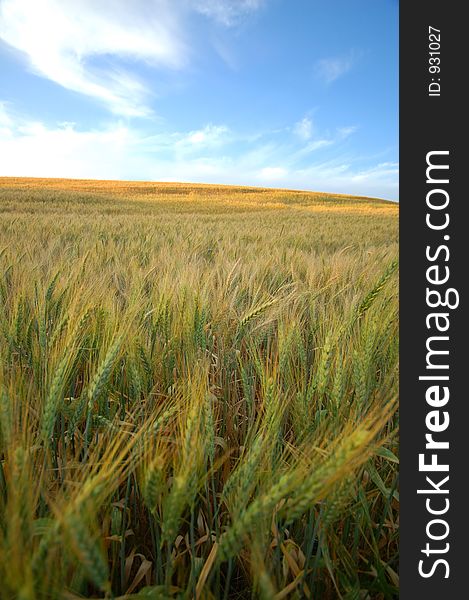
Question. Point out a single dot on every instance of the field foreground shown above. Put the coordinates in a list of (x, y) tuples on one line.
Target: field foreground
[(198, 392)]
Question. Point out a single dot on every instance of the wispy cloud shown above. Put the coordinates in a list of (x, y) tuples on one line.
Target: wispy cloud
[(272, 174), (331, 68), (82, 45), (311, 143), (213, 153), (227, 12), (63, 40), (304, 128), (6, 121), (207, 137), (345, 132)]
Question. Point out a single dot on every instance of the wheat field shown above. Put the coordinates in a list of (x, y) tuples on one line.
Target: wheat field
[(198, 392)]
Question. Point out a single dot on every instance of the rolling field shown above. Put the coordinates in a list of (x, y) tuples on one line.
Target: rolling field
[(198, 392)]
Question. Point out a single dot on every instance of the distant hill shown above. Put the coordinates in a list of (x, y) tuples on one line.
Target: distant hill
[(177, 195)]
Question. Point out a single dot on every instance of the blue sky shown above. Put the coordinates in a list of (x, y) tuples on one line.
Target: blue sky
[(285, 93)]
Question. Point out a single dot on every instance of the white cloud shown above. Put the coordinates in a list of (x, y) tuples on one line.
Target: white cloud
[(212, 154), (5, 119), (342, 177), (382, 170), (272, 173), (304, 128), (32, 149), (345, 132), (6, 122), (80, 44), (210, 135), (330, 69), (227, 12), (312, 144), (63, 40)]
